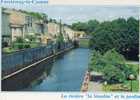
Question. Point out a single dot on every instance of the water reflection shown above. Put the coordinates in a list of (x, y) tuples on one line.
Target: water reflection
[(65, 73)]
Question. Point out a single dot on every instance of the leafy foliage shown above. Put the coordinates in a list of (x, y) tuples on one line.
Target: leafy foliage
[(60, 38), (21, 43), (88, 27), (37, 15), (31, 38), (121, 34), (112, 65)]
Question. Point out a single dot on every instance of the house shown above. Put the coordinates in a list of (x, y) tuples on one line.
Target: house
[(17, 23), (6, 32), (22, 23), (68, 33), (47, 39), (79, 34), (35, 26), (53, 28)]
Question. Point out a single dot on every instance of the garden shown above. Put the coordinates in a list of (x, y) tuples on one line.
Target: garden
[(22, 43), (116, 72)]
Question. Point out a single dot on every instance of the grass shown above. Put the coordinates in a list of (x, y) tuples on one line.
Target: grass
[(84, 43), (135, 85), (33, 45), (16, 47), (8, 50), (112, 87), (134, 65)]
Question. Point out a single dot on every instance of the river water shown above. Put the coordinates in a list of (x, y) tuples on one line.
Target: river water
[(66, 74)]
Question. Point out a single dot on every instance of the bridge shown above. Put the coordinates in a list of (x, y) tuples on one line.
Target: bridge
[(23, 68)]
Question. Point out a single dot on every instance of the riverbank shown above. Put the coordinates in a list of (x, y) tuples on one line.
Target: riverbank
[(67, 72), (95, 83), (20, 78), (86, 80), (56, 54)]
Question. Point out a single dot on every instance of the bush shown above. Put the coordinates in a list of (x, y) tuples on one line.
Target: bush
[(111, 65), (97, 62), (20, 46), (113, 74), (19, 40), (4, 44), (27, 46)]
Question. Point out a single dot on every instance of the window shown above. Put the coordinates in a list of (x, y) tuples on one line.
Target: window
[(29, 21)]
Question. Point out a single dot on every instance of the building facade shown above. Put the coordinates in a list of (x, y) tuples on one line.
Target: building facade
[(53, 28), (6, 32), (68, 33), (18, 23), (21, 24)]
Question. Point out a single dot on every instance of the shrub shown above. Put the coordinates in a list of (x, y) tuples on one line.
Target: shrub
[(111, 65), (27, 46)]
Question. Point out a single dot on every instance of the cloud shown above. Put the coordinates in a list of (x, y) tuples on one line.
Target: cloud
[(70, 14)]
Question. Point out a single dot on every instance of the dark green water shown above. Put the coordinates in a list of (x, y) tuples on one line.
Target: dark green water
[(66, 74)]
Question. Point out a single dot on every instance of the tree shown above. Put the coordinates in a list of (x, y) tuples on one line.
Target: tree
[(120, 34), (112, 65), (132, 40), (88, 27), (91, 26), (80, 26), (101, 38), (60, 38), (97, 63), (113, 75)]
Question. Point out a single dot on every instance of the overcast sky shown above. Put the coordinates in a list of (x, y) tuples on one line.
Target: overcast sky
[(70, 14)]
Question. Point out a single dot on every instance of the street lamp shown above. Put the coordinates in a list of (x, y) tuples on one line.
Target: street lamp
[(105, 84), (131, 78)]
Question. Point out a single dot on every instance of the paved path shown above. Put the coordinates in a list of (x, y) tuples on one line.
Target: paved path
[(132, 62), (94, 87)]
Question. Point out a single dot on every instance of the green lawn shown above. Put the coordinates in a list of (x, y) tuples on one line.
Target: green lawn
[(84, 43), (133, 64), (135, 85), (8, 50)]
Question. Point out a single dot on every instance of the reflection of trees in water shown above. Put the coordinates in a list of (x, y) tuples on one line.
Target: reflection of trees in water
[(45, 69)]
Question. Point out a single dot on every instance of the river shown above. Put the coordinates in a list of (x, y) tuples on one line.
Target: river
[(66, 74)]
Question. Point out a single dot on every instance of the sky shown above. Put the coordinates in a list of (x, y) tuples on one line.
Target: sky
[(70, 14)]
